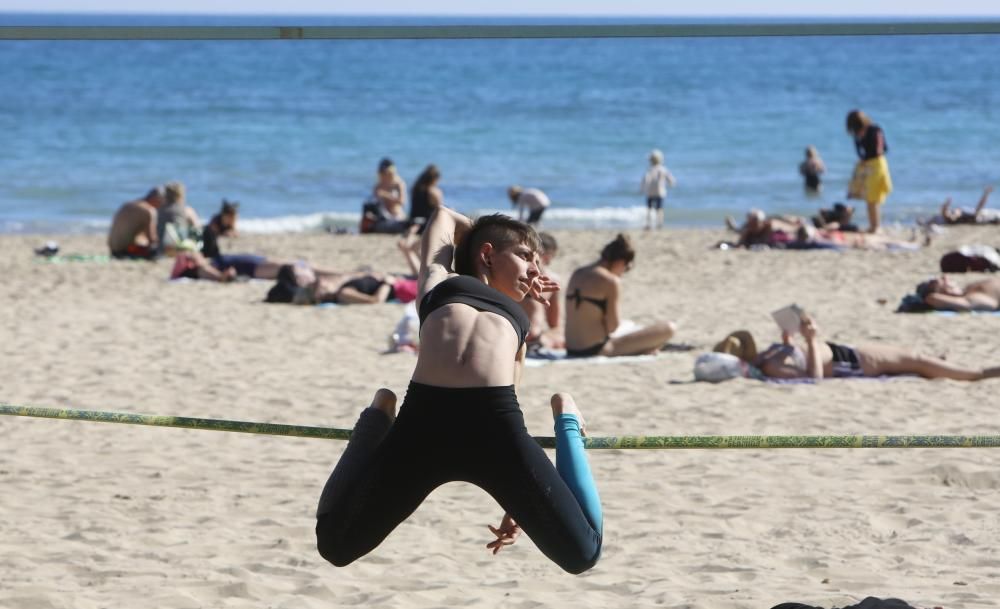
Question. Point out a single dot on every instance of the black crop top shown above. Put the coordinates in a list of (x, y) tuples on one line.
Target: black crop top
[(470, 291), (867, 146)]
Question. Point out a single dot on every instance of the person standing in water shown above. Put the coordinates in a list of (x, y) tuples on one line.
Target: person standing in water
[(811, 169), (654, 186), (871, 181), (460, 420)]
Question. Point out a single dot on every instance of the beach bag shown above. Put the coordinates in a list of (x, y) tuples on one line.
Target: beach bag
[(716, 367), (371, 213), (971, 259)]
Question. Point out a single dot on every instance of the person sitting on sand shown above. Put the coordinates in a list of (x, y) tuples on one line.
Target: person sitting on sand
[(528, 201), (390, 190), (177, 223), (213, 265), (546, 321), (941, 294), (980, 215), (821, 359), (593, 300), (133, 228), (460, 420)]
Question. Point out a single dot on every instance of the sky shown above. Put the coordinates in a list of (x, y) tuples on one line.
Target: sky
[(562, 8)]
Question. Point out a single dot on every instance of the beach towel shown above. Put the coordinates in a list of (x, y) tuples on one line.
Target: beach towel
[(62, 259), (912, 303), (542, 357)]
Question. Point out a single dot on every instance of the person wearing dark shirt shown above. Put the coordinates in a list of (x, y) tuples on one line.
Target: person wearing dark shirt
[(871, 181), (425, 197)]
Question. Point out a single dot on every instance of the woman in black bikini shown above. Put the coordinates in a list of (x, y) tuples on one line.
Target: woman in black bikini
[(822, 359), (461, 420), (593, 297)]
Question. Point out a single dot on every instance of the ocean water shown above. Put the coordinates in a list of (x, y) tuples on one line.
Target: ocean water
[(294, 129)]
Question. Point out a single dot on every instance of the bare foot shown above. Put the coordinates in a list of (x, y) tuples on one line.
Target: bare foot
[(385, 401), (563, 403)]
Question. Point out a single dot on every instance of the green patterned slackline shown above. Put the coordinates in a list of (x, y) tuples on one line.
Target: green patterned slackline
[(620, 442)]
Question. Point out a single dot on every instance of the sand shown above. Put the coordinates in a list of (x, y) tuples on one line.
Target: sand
[(105, 516)]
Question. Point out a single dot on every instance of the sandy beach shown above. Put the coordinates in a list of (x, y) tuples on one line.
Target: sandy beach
[(113, 516)]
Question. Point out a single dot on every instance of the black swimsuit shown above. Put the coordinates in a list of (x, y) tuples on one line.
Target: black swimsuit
[(600, 303), (470, 291), (367, 284)]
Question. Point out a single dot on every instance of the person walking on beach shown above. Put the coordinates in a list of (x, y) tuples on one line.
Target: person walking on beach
[(530, 201), (871, 181), (133, 228), (654, 186), (811, 168), (460, 420)]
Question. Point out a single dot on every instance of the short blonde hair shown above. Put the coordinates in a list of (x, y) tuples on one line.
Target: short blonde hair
[(656, 156), (173, 192)]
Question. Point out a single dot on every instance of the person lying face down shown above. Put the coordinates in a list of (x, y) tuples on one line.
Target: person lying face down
[(942, 294), (298, 284), (823, 359)]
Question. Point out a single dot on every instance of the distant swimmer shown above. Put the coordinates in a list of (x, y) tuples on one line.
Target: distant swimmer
[(460, 419), (133, 228), (811, 169)]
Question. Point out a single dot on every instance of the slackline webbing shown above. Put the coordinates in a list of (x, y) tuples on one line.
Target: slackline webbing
[(612, 442)]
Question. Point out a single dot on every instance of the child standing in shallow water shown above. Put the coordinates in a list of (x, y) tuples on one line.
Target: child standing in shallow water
[(654, 186), (811, 168)]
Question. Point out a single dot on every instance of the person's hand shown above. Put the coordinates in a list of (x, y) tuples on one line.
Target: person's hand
[(808, 327), (542, 285), (507, 534)]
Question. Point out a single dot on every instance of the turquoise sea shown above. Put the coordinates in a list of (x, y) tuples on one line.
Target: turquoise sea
[(294, 129)]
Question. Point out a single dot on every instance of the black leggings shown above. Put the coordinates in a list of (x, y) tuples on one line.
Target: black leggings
[(475, 435)]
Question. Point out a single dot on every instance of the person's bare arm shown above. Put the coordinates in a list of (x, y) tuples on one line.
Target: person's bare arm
[(611, 314), (814, 359), (983, 199), (150, 232), (947, 302), (670, 178), (349, 295), (435, 198), (553, 312), (437, 248), (879, 143)]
